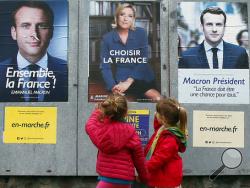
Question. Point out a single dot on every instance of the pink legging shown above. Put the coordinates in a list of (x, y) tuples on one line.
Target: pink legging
[(170, 187), (103, 184)]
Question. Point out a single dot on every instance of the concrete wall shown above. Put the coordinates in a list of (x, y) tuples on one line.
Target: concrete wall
[(90, 182)]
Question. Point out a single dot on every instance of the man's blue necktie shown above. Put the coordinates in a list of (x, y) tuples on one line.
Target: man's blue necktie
[(33, 97), (215, 58)]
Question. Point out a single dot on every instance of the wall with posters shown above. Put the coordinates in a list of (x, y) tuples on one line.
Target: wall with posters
[(216, 96), (143, 57), (36, 136), (217, 100)]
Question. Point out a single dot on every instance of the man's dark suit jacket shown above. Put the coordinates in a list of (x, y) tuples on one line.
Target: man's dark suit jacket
[(57, 94), (234, 57)]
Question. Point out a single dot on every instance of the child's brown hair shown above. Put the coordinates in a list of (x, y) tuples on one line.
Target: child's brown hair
[(172, 113), (115, 107)]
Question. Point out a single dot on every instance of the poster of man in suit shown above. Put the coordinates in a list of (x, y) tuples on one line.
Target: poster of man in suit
[(33, 66), (209, 42)]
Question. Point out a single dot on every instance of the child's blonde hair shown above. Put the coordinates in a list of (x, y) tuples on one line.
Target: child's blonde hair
[(115, 107), (118, 11), (171, 112)]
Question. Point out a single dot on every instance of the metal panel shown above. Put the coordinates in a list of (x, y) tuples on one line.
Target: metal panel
[(86, 150), (204, 160), (49, 159)]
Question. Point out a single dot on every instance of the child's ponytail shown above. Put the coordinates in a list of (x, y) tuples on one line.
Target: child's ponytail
[(183, 120), (171, 112), (115, 107)]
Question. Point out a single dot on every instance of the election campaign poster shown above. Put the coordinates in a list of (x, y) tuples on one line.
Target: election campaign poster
[(124, 50), (33, 55), (213, 64), (140, 120), (218, 129), (30, 125)]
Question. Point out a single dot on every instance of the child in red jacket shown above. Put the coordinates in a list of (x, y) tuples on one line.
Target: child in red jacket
[(119, 147), (163, 161)]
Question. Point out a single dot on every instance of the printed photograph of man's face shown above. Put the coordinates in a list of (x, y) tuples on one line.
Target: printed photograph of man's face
[(33, 55), (214, 36)]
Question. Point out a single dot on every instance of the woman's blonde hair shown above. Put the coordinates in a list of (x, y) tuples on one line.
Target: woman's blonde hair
[(115, 107), (118, 11), (170, 111)]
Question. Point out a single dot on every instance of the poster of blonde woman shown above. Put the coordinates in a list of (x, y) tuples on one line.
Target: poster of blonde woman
[(124, 50)]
